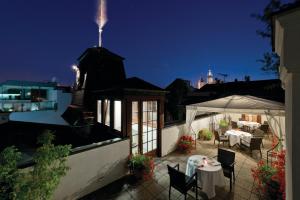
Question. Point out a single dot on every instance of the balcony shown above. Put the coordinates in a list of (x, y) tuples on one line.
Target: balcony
[(26, 105)]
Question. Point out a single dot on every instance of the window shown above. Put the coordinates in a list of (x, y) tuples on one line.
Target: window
[(117, 115), (149, 126), (135, 128), (99, 114), (106, 112)]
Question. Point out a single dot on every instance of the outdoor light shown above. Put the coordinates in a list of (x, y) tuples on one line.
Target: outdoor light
[(74, 68)]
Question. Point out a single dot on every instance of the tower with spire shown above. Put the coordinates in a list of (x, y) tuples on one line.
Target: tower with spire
[(210, 79)]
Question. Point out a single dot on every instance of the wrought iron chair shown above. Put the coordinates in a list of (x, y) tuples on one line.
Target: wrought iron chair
[(219, 138), (255, 144), (227, 160), (181, 182)]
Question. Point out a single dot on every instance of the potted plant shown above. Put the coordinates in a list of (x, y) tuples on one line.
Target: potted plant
[(223, 125), (205, 134), (141, 166), (186, 143), (270, 178)]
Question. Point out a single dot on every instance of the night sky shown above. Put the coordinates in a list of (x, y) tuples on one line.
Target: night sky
[(160, 39)]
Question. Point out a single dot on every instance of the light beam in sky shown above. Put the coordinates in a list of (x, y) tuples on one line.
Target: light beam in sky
[(101, 18)]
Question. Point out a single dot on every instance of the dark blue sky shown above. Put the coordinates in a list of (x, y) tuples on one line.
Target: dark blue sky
[(160, 39)]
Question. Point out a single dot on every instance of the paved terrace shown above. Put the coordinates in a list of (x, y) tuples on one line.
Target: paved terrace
[(157, 188)]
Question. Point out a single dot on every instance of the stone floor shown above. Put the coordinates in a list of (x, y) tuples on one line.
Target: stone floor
[(157, 188)]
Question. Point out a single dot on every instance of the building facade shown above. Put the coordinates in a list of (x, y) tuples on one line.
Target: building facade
[(131, 106)]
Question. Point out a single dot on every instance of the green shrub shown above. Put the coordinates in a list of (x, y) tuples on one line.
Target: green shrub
[(223, 123), (205, 134)]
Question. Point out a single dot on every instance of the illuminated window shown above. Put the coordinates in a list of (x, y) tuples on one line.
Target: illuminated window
[(106, 112), (99, 115), (117, 115)]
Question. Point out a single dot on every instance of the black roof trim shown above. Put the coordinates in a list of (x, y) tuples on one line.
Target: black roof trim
[(286, 10)]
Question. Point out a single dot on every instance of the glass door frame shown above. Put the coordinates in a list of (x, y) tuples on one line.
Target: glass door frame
[(140, 101)]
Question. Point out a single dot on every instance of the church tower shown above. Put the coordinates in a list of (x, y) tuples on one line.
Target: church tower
[(210, 79)]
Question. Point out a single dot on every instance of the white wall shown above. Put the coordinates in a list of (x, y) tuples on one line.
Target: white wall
[(171, 135), (93, 169), (169, 138), (46, 116), (287, 46)]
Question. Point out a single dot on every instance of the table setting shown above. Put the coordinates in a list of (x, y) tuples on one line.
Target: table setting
[(209, 172)]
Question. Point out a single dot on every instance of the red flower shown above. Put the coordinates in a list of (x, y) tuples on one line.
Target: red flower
[(186, 143), (263, 174)]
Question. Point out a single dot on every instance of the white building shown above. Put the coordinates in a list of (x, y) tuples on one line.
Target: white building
[(286, 43), (36, 102)]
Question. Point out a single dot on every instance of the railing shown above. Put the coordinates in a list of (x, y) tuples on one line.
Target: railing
[(270, 151), (26, 106)]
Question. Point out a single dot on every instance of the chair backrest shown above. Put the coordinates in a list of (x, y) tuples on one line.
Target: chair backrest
[(255, 143), (234, 124), (177, 178), (246, 128), (258, 133), (226, 157), (264, 128), (217, 137)]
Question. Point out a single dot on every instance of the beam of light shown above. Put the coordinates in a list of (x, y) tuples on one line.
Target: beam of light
[(101, 18)]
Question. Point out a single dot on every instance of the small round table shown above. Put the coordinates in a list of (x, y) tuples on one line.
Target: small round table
[(209, 172)]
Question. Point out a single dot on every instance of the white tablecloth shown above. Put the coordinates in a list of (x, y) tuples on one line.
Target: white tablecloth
[(210, 175), (252, 125), (235, 136)]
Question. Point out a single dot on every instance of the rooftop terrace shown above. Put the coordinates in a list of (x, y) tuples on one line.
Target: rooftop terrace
[(157, 188)]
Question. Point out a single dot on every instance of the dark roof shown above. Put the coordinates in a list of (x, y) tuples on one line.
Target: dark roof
[(291, 7), (268, 89), (29, 83), (178, 82), (100, 51), (133, 86), (237, 84), (137, 83)]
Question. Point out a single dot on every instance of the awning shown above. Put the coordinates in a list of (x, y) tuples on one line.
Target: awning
[(239, 104), (274, 111)]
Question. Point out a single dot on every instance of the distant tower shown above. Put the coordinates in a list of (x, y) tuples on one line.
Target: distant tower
[(200, 83), (210, 79)]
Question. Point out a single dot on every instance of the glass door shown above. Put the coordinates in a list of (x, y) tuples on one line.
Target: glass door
[(135, 128), (149, 139)]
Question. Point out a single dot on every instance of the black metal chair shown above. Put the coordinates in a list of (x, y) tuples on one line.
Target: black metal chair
[(227, 160), (181, 182), (255, 144), (260, 134), (234, 125), (220, 138), (265, 128), (246, 129)]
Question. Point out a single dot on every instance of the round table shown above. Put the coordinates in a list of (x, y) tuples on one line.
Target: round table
[(209, 172)]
